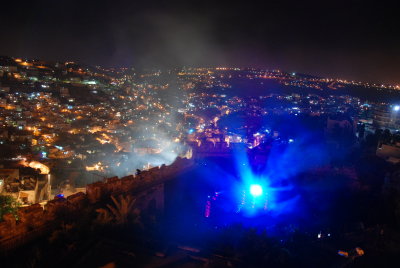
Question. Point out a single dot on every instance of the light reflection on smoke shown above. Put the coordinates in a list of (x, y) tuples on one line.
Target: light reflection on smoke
[(154, 151), (37, 165)]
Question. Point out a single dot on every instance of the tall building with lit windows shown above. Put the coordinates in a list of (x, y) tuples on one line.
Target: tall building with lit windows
[(387, 116)]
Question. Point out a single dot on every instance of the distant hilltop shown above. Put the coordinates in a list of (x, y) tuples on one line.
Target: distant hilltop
[(20, 73)]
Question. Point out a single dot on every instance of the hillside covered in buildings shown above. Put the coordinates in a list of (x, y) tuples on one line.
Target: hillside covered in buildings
[(196, 167)]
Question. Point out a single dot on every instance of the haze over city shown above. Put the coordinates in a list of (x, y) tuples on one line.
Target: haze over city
[(199, 134)]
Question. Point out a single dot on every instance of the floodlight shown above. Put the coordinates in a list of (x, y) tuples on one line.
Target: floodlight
[(256, 190)]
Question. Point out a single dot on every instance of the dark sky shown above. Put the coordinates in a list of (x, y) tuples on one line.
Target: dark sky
[(349, 39)]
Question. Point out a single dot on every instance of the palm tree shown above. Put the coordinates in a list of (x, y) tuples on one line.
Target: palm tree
[(120, 211)]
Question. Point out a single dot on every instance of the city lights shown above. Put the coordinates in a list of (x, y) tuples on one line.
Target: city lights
[(199, 134), (247, 151)]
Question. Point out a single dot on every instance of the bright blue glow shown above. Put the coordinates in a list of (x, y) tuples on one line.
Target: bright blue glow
[(266, 192), (256, 190), (396, 108), (272, 188), (191, 131)]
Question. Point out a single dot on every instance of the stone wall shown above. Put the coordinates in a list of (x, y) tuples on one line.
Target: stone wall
[(34, 221), (156, 175)]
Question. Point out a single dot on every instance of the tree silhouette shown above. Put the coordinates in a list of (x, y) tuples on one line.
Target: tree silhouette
[(8, 204), (120, 212)]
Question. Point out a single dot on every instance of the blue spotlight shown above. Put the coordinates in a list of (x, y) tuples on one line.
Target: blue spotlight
[(256, 190)]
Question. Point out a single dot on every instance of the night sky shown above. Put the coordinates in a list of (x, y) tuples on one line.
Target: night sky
[(351, 39)]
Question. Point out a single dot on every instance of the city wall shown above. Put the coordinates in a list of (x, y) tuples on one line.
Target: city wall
[(34, 221)]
